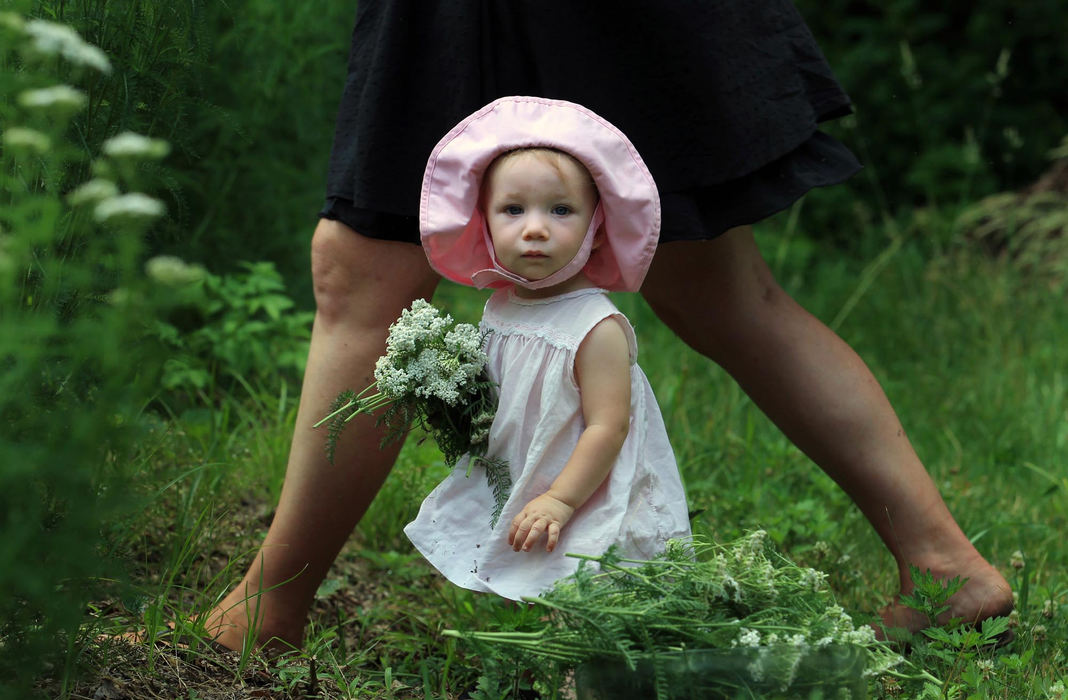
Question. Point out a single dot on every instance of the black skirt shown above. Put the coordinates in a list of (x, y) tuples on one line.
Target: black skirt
[(722, 99)]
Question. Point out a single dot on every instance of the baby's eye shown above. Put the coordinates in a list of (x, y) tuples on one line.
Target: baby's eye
[(561, 210), (513, 210)]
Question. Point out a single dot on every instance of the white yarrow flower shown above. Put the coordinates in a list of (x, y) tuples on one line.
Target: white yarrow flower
[(58, 97), (93, 191), (131, 145), (21, 138), (172, 271), (813, 579), (748, 638), (52, 39), (863, 636), (133, 206)]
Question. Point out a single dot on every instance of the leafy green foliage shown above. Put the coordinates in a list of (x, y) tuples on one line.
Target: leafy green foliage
[(234, 328), (953, 101), (931, 595), (75, 371), (337, 421)]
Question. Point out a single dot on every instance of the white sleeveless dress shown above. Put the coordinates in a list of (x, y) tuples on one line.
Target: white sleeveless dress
[(532, 346)]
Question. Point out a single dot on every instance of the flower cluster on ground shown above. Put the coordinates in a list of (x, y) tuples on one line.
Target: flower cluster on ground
[(742, 598)]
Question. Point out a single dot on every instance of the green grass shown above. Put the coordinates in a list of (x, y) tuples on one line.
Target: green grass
[(970, 350)]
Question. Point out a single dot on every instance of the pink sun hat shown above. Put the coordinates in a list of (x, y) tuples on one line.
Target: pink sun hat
[(453, 230)]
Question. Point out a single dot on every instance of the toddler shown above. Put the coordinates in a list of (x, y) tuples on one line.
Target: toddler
[(552, 206)]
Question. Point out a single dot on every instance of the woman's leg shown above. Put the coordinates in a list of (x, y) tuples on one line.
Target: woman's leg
[(824, 398), (361, 286)]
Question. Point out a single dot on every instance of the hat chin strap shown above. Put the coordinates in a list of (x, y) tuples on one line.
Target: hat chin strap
[(485, 278)]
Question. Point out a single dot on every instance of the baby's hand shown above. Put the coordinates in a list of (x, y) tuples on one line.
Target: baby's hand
[(544, 515)]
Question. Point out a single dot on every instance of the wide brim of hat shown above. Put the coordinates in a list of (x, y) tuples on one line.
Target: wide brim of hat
[(451, 225)]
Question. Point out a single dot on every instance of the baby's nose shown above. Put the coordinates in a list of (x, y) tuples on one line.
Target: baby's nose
[(535, 227)]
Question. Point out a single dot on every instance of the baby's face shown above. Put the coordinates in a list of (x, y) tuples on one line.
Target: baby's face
[(538, 206)]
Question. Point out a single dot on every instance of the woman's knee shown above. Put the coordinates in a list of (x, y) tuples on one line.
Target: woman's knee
[(361, 279)]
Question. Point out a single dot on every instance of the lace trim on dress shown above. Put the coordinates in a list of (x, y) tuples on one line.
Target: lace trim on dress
[(558, 339), (513, 298)]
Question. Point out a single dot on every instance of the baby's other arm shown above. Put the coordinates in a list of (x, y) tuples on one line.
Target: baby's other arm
[(602, 371)]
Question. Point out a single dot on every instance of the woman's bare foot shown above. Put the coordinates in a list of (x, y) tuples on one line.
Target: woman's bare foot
[(985, 594), (231, 621)]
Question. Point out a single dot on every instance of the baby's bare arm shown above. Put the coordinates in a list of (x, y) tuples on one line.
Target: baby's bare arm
[(602, 370)]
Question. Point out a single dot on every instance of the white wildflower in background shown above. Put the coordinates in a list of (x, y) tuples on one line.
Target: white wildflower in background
[(1047, 608), (93, 191), (133, 207), (986, 667), (1016, 560), (172, 271), (131, 145), (119, 296), (1057, 691), (52, 39), (58, 98), (20, 138)]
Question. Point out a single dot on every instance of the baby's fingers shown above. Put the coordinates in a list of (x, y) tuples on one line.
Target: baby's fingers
[(536, 529), (520, 530), (514, 529), (553, 536)]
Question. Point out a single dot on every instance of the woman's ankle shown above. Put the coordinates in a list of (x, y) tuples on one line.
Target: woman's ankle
[(240, 616), (984, 592)]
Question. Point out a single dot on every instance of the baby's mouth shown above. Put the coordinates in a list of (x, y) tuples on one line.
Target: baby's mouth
[(534, 254)]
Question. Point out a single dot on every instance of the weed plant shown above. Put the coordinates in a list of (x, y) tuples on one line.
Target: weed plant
[(75, 368), (232, 332)]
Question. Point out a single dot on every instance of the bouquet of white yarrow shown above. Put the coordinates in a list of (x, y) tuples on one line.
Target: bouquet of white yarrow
[(432, 375)]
